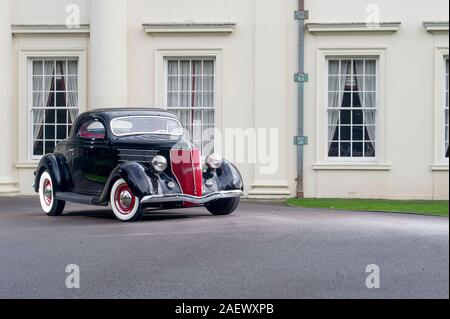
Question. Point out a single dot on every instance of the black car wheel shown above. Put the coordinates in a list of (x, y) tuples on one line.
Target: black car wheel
[(50, 205), (224, 206)]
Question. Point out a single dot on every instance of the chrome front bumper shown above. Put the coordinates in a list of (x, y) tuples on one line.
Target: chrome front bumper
[(191, 199)]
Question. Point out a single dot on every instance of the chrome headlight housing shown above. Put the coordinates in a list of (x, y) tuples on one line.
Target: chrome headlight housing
[(214, 161), (159, 163)]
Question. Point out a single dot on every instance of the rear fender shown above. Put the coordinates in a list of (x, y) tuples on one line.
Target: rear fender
[(58, 167)]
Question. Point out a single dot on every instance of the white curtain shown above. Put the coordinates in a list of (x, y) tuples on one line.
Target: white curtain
[(367, 83), (38, 85), (72, 87), (172, 83), (336, 83)]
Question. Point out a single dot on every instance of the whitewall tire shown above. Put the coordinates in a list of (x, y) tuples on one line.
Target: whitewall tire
[(124, 204), (50, 205)]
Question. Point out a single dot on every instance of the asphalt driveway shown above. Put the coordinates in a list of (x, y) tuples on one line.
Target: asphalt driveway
[(262, 251)]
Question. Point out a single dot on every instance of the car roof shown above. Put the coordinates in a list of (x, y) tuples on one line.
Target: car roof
[(110, 113)]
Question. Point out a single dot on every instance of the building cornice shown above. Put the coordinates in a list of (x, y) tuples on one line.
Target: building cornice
[(189, 27), (436, 26), (389, 27), (49, 29)]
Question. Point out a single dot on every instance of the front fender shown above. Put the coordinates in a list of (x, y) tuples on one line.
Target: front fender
[(57, 166), (135, 175), (225, 178)]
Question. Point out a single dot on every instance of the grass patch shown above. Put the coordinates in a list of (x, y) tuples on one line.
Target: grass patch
[(435, 208)]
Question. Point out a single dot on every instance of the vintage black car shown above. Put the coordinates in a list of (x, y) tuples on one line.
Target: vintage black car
[(134, 160)]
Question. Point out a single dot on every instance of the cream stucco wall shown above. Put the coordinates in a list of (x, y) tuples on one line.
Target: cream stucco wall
[(255, 67)]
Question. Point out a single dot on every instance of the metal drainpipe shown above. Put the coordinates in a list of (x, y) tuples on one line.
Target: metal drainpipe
[(301, 78)]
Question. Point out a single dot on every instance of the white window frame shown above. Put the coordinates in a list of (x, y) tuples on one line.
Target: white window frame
[(323, 160), (28, 52), (440, 161), (352, 158), (164, 54), (30, 100)]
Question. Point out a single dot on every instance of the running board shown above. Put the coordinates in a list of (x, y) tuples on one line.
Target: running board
[(80, 199)]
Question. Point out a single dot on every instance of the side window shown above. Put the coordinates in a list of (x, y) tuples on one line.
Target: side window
[(91, 130)]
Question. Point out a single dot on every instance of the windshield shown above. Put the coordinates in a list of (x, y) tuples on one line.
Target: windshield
[(136, 125)]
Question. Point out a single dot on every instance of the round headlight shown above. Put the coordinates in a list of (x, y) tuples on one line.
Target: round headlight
[(214, 161), (159, 163)]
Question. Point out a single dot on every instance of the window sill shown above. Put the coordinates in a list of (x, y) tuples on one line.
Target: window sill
[(352, 167), (439, 167)]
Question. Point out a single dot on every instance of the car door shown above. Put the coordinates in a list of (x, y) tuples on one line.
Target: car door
[(91, 160)]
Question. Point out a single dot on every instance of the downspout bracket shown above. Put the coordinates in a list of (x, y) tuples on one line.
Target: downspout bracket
[(301, 15), (301, 77), (301, 140)]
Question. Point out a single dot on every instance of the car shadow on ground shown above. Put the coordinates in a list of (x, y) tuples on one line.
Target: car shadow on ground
[(149, 216)]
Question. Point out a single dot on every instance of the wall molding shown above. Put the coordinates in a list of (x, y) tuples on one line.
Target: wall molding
[(436, 26), (189, 27), (317, 27), (49, 29)]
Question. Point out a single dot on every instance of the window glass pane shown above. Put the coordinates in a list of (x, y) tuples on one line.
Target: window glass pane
[(38, 100), (38, 68), (72, 67), (208, 83), (38, 148), (197, 83), (60, 83), (345, 149), (197, 67), (334, 83), (172, 99), (369, 150), (345, 117), (61, 99), (208, 100), (371, 83), (334, 150), (357, 133), (49, 67), (49, 147), (358, 67), (345, 133), (185, 67), (371, 67), (208, 67), (61, 116), (370, 99), (172, 68), (72, 83), (357, 117), (357, 150), (172, 83), (333, 67), (61, 132), (38, 84)]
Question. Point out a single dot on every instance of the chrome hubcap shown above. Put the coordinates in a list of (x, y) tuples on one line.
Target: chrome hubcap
[(48, 192), (126, 199)]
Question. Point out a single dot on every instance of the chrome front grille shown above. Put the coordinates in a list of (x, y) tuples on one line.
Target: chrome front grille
[(136, 155)]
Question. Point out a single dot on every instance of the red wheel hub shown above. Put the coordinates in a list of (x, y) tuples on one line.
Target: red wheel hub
[(124, 199), (48, 192)]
